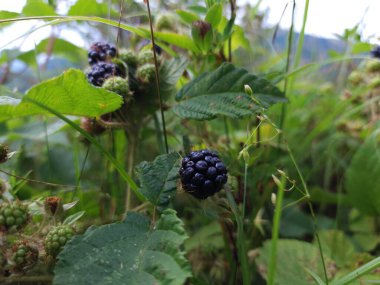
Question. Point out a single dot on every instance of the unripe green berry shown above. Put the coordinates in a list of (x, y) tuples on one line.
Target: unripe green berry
[(118, 85), (145, 56), (165, 22), (10, 221), (24, 256), (374, 83), (372, 66), (356, 78), (129, 57), (146, 73), (56, 239)]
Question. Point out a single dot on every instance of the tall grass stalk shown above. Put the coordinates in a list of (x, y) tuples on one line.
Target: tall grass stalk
[(315, 227), (242, 251), (301, 39), (287, 68), (276, 229)]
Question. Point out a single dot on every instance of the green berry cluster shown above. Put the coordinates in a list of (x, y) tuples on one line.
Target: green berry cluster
[(367, 75), (24, 256), (56, 239), (13, 216)]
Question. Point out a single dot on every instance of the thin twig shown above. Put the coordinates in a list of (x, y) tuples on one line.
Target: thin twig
[(157, 77)]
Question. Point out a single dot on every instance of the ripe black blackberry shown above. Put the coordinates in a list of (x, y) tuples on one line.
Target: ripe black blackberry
[(101, 52), (101, 71), (202, 173), (376, 52)]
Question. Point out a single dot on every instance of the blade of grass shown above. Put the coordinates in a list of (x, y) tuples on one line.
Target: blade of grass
[(301, 39), (315, 277), (55, 20), (113, 160), (287, 68), (242, 252), (354, 275)]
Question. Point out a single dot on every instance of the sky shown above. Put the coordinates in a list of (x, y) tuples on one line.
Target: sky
[(326, 18)]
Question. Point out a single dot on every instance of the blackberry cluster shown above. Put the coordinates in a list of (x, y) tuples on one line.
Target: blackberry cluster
[(203, 173), (57, 238), (101, 52), (13, 216), (4, 150), (103, 70), (376, 52), (24, 256)]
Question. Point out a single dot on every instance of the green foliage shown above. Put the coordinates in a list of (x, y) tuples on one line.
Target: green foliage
[(130, 251), (38, 8), (362, 178), (221, 92), (91, 8), (69, 93), (158, 179), (293, 258)]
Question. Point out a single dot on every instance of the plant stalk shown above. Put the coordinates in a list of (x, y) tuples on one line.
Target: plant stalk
[(275, 231), (157, 78)]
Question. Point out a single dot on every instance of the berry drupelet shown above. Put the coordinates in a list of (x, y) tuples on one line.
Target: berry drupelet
[(101, 52), (376, 52), (103, 70), (202, 173)]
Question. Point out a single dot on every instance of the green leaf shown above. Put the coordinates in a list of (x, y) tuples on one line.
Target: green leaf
[(363, 179), (181, 41), (358, 273), (214, 15), (295, 260), (130, 252), (158, 179), (70, 220), (170, 72), (361, 47), (38, 8), (187, 17), (69, 93), (221, 92), (337, 246), (7, 15), (91, 8)]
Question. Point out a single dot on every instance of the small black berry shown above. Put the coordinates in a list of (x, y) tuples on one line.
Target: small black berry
[(4, 151), (376, 52), (103, 70), (202, 173), (101, 52)]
